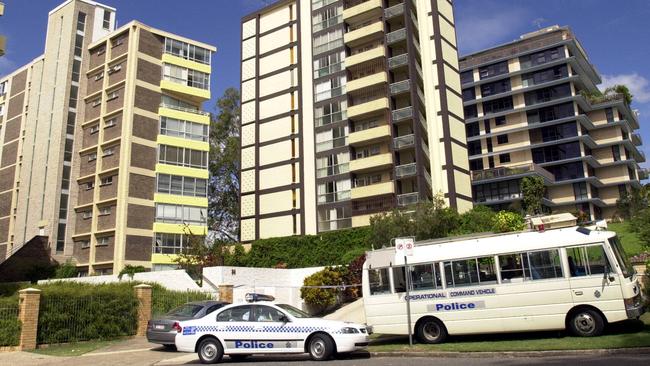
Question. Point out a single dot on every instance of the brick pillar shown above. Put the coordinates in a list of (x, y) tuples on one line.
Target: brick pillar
[(143, 293), (29, 302), (225, 293)]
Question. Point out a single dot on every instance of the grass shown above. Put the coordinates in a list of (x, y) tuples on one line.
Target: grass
[(620, 335), (630, 240), (74, 349)]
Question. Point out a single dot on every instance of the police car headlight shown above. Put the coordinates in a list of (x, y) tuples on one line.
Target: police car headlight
[(349, 330)]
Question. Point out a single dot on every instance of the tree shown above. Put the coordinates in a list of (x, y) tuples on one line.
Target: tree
[(130, 271), (630, 204), (66, 270), (532, 189), (505, 221), (198, 254), (620, 89), (478, 219), (223, 210)]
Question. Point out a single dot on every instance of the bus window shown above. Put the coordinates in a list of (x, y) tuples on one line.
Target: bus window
[(511, 267), (424, 277), (487, 271), (461, 273), (399, 279), (587, 260), (544, 264), (378, 281), (621, 257)]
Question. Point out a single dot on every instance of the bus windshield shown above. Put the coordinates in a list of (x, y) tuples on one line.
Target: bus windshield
[(621, 257)]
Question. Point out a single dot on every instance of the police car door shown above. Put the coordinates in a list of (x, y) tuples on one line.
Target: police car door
[(235, 328), (274, 331)]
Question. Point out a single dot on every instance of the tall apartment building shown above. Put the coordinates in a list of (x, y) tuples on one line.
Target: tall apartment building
[(110, 145), (349, 108), (526, 113)]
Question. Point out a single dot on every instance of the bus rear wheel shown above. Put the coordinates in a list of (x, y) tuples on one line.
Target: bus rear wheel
[(586, 323), (431, 331)]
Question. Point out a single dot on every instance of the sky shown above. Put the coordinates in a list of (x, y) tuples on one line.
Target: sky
[(614, 33)]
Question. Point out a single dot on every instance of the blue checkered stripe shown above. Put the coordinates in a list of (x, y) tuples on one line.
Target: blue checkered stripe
[(267, 329)]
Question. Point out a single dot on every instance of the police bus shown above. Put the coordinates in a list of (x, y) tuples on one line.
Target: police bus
[(563, 278)]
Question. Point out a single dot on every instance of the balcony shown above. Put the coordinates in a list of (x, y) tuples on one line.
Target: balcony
[(330, 118), (332, 144), (328, 46), (185, 114), (400, 87), (331, 93), (332, 170), (359, 10), (402, 114), (328, 70), (396, 36), (408, 199), (394, 11), (367, 81), (333, 197), (397, 61), (371, 163), (423, 122), (362, 34), (406, 170), (370, 135), (404, 142), (199, 90), (365, 56), (367, 108), (335, 224), (515, 171), (373, 190), (636, 139), (327, 23)]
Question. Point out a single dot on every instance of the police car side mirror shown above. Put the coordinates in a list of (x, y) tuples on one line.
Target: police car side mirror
[(284, 319)]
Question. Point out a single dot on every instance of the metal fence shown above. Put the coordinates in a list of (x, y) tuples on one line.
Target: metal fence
[(9, 326), (163, 301)]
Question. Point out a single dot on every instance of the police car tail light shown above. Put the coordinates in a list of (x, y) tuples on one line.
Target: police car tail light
[(177, 327)]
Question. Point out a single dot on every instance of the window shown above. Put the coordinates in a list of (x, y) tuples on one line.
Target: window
[(329, 64), (547, 94), (86, 214), (178, 214), (189, 77), (580, 191), (85, 244), (106, 23), (3, 87), (114, 68), (81, 21), (472, 129), (94, 129), (474, 147), (67, 152), (118, 41), (187, 51), (541, 57), (367, 152), (108, 151), (461, 273), (76, 68), (544, 76), (183, 129), (92, 157), (99, 76), (512, 267), (476, 164), (469, 94), (104, 240), (165, 243), (493, 70), (331, 139), (502, 139), (103, 211), (546, 114), (544, 264), (78, 45), (609, 113), (333, 164), (504, 158), (378, 281), (110, 123), (112, 95), (557, 152), (89, 185), (497, 105), (496, 87), (471, 111), (330, 113), (425, 277), (330, 88), (622, 190), (106, 181), (334, 191), (173, 103), (74, 94), (65, 179), (183, 157), (96, 102), (267, 314), (236, 314), (587, 260), (500, 121), (467, 77)]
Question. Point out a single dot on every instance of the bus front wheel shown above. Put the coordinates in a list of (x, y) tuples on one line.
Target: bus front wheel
[(431, 331), (586, 323)]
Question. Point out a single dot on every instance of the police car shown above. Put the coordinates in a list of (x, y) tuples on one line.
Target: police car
[(262, 326)]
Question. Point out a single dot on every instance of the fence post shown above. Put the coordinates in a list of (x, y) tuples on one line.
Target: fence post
[(29, 302), (143, 293), (225, 293)]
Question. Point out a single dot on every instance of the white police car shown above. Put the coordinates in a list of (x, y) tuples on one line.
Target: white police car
[(261, 326)]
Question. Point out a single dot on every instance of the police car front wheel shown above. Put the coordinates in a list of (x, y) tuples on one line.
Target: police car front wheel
[(210, 350), (321, 347)]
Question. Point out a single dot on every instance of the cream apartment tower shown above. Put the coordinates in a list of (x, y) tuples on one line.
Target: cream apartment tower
[(104, 144), (349, 108), (528, 112)]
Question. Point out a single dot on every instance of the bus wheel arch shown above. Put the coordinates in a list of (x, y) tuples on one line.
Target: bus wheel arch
[(585, 321), (430, 330)]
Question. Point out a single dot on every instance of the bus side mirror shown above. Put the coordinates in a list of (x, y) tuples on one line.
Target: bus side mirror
[(607, 274)]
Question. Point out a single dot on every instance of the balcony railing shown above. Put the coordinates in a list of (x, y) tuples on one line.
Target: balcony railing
[(332, 170), (399, 60), (636, 139), (331, 118), (403, 141), (334, 197), (425, 148), (396, 36), (510, 171), (403, 113), (331, 144), (327, 23), (394, 11), (331, 93), (499, 197), (328, 46), (423, 122), (329, 69), (334, 224), (408, 199), (400, 86), (406, 170), (317, 4), (184, 109)]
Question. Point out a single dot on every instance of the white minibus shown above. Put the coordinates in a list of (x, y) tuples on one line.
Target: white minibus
[(570, 278)]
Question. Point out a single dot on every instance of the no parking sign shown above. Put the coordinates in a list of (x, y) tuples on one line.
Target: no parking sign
[(404, 246)]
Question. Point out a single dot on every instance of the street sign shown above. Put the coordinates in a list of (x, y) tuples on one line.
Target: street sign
[(404, 246)]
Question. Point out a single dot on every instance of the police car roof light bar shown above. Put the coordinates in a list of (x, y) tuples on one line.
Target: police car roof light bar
[(254, 297)]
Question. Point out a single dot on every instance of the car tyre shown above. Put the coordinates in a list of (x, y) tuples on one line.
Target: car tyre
[(586, 323), (431, 331), (210, 351), (238, 357), (321, 347)]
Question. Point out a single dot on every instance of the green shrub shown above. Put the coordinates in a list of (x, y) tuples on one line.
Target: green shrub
[(66, 270), (164, 300), (505, 221), (353, 254), (323, 298), (477, 220), (9, 323)]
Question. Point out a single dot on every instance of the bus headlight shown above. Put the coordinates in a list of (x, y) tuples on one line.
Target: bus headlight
[(349, 330)]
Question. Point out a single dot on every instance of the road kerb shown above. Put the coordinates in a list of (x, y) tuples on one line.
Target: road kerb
[(514, 354)]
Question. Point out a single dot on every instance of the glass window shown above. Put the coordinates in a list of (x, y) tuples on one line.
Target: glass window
[(486, 271), (512, 267), (467, 77), (106, 23), (544, 264), (187, 310), (267, 314), (587, 260), (378, 281), (236, 314), (461, 273), (425, 277), (399, 280), (469, 94), (497, 105), (493, 70), (621, 257), (81, 21)]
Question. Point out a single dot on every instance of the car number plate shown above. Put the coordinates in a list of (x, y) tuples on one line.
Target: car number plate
[(160, 326)]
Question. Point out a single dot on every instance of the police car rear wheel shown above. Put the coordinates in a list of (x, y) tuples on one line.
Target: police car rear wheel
[(210, 351), (431, 331), (321, 347)]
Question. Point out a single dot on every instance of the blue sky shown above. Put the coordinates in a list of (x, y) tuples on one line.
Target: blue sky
[(614, 33)]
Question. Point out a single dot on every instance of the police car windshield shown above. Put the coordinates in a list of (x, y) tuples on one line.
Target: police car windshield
[(296, 313)]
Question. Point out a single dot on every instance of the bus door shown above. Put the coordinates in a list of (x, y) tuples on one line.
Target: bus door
[(593, 278)]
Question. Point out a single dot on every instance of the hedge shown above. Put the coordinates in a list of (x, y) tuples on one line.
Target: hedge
[(9, 323), (164, 300), (332, 248)]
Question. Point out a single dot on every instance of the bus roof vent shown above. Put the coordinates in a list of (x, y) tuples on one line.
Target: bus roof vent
[(542, 223)]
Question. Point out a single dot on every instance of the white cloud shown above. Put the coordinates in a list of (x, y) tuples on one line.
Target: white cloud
[(639, 86)]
